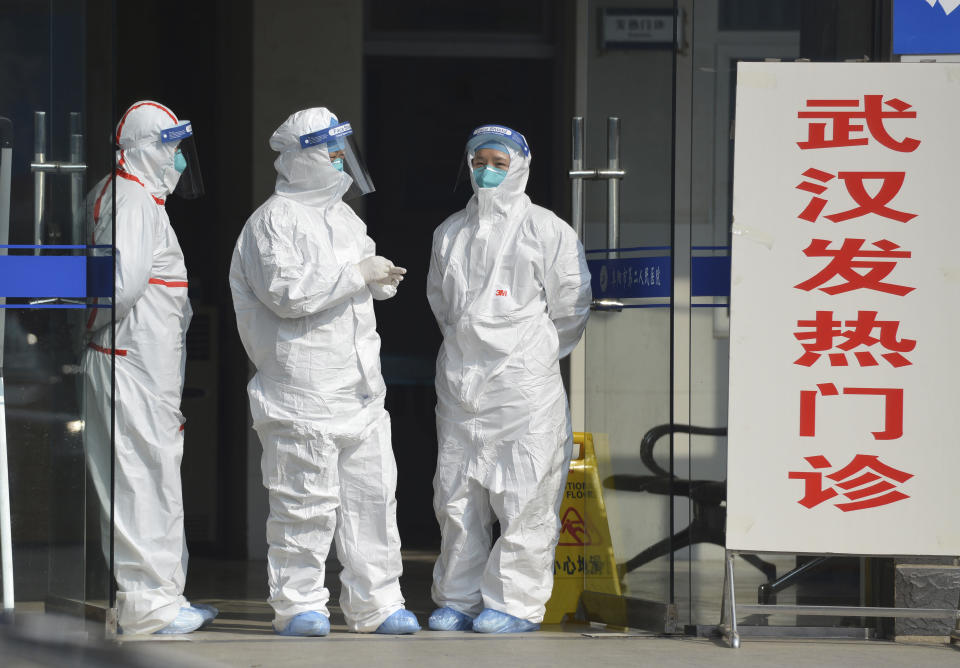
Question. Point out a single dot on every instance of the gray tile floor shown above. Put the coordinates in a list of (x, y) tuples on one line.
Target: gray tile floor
[(233, 641), (242, 636), (552, 649)]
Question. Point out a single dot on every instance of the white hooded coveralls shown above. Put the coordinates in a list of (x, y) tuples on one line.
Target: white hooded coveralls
[(306, 319), (152, 315), (510, 289)]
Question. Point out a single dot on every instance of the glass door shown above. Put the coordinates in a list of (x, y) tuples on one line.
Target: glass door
[(55, 146), (716, 36), (626, 94), (654, 360)]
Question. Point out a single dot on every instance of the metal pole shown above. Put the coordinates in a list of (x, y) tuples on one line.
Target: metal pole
[(613, 186), (76, 178), (6, 540), (576, 187), (39, 178), (851, 611), (733, 636)]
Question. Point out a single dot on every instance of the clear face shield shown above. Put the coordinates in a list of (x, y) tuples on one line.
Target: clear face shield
[(487, 154), (186, 161), (340, 144)]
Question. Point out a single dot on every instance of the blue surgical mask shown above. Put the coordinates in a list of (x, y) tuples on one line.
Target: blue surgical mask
[(488, 177), (337, 164), (179, 162)]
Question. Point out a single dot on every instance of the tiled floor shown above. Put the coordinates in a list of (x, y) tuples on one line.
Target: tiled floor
[(242, 635)]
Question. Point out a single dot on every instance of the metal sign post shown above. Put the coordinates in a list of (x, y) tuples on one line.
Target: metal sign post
[(6, 540)]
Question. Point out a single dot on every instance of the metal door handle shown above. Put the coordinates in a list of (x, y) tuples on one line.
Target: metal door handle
[(576, 188), (612, 175), (613, 185), (40, 167), (58, 167), (597, 174), (606, 305), (39, 180)]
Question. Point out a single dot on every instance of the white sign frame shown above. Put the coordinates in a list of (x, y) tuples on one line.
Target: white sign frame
[(766, 439)]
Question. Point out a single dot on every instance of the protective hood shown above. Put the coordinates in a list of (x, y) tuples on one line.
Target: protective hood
[(142, 155), (513, 186), (307, 176)]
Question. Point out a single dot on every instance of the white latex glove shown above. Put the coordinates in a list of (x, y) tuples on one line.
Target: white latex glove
[(381, 291), (378, 269)]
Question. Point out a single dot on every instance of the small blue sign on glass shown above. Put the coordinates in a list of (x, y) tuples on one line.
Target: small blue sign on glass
[(64, 276), (710, 276), (636, 277)]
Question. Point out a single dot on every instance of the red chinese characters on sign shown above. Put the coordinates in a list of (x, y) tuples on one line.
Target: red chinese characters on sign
[(866, 482), (847, 259), (855, 183), (820, 334), (892, 413), (840, 116)]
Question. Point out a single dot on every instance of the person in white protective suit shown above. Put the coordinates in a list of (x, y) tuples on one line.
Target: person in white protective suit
[(156, 157), (510, 289), (304, 276)]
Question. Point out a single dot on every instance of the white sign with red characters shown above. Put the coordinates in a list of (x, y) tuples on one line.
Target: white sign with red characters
[(844, 418)]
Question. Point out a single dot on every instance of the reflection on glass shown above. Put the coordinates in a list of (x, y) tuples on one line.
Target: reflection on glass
[(42, 92)]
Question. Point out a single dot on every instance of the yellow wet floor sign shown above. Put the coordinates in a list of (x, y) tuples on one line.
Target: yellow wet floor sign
[(584, 559)]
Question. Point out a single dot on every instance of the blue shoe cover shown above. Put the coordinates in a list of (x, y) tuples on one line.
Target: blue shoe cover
[(307, 624), (399, 623), (494, 621), (188, 620), (448, 619), (208, 611)]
